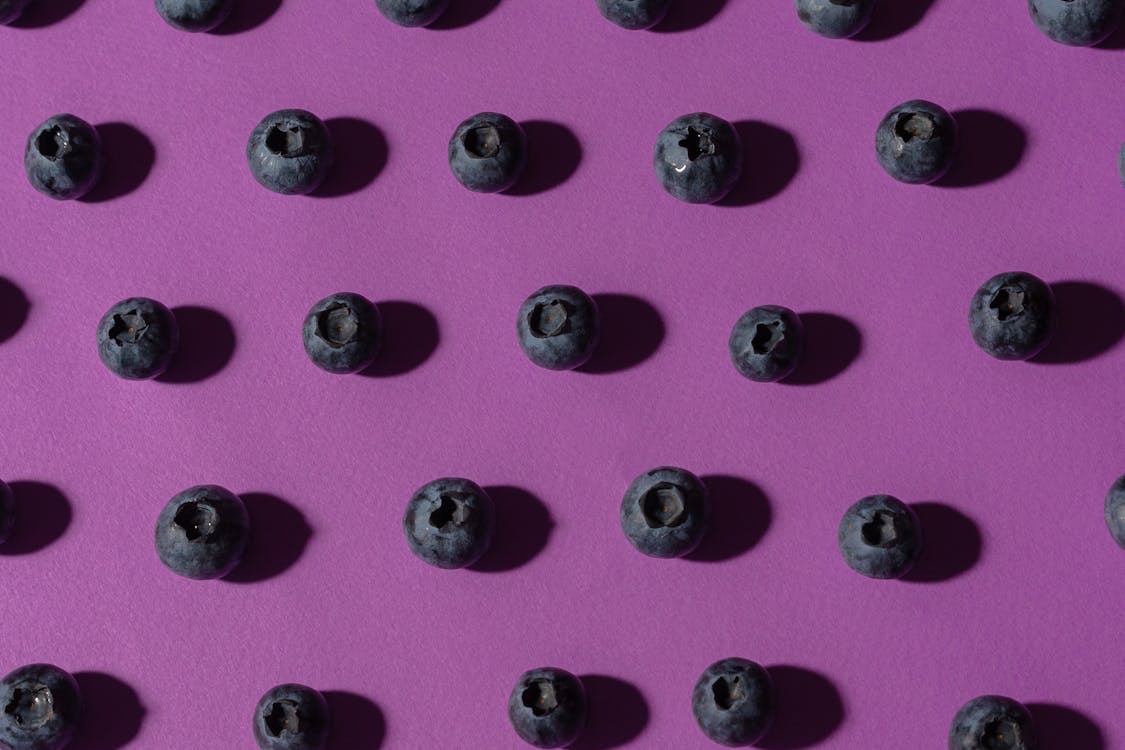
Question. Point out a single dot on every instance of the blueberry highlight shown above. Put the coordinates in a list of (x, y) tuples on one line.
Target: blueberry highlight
[(290, 152), (488, 152), (1078, 23), (1013, 316), (10, 10), (733, 702), (1115, 511), (993, 722), (202, 532), (7, 511), (665, 511), (548, 707), (137, 338), (558, 327), (41, 708), (343, 333), (835, 19), (194, 15), (291, 717), (880, 537), (449, 523), (767, 343), (412, 13), (634, 14), (916, 142), (63, 157), (698, 158)]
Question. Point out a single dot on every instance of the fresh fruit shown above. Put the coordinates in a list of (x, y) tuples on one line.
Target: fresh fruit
[(1115, 511), (993, 722), (665, 512), (343, 333), (766, 343), (291, 717), (835, 19), (63, 157), (558, 327), (733, 702), (194, 15), (1079, 23), (698, 158), (1012, 316), (449, 522), (916, 142), (880, 537), (634, 14), (290, 152), (488, 152), (42, 708), (202, 532), (412, 13), (548, 708), (137, 338)]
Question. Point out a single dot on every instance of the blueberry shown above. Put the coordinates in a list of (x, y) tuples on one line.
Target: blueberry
[(634, 14), (202, 532), (290, 152), (548, 707), (7, 511), (412, 13), (733, 702), (488, 152), (42, 708), (137, 338), (993, 722), (63, 157), (449, 523), (10, 10), (767, 343), (880, 537), (1115, 511), (1013, 316), (343, 333), (916, 142), (558, 327), (665, 511), (1121, 164), (194, 15), (835, 19), (291, 717), (1079, 23), (698, 158)]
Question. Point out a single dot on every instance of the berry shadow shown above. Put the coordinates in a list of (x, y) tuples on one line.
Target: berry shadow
[(411, 337), (810, 709), (1060, 726), (832, 344), (129, 156), (894, 17), (279, 538), (113, 712), (42, 515), (463, 13), (247, 15), (42, 13), (686, 15), (951, 543), (990, 146), (207, 344), (554, 154), (523, 528), (357, 723), (14, 308), (618, 713), (740, 517), (1091, 322), (1114, 41), (772, 160), (361, 153), (632, 331)]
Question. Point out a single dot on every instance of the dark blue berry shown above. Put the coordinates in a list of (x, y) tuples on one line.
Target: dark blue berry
[(880, 537), (766, 343), (1012, 316), (137, 338), (916, 142), (7, 511), (42, 708), (194, 15), (291, 717), (698, 158), (343, 333), (488, 152), (1079, 23), (412, 13), (548, 707), (1115, 511), (10, 10), (835, 19), (993, 722), (665, 512), (558, 327), (290, 152), (449, 522), (202, 532), (634, 14), (63, 157), (733, 702)]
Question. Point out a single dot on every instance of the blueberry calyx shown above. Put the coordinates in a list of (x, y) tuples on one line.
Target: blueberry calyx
[(128, 328), (337, 325), (881, 531), (549, 319), (540, 697), (698, 143), (451, 511), (31, 707), (52, 143), (911, 125), (1001, 734), (282, 717), (663, 506), (482, 142), (727, 692), (287, 142), (198, 521), (1007, 302)]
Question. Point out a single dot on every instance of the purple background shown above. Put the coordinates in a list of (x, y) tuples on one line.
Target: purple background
[(1013, 458)]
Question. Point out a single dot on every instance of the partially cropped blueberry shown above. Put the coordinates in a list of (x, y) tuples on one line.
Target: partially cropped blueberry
[(488, 152), (665, 512), (558, 327), (449, 522), (548, 707), (1079, 23), (291, 717), (412, 13), (343, 333), (10, 10), (1115, 511), (698, 158), (1121, 164), (766, 343), (137, 338), (7, 511), (42, 708), (290, 152), (634, 14), (194, 15), (1012, 316), (835, 19), (993, 722), (202, 532), (733, 702), (63, 157), (916, 142), (880, 537)]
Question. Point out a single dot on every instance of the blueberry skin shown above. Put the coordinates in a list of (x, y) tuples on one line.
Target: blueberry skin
[(290, 152), (194, 15), (880, 537), (835, 19), (1078, 23), (1115, 511), (698, 158), (488, 152), (137, 338), (634, 14), (42, 708), (412, 13), (343, 333), (665, 511), (1121, 164), (202, 532), (993, 722), (63, 157), (10, 10), (916, 142), (558, 327), (767, 343), (7, 511), (1013, 316), (548, 707), (733, 702), (291, 717), (449, 523)]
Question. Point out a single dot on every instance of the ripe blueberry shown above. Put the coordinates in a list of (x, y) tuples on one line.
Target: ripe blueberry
[(766, 343), (916, 142), (137, 338), (634, 14), (488, 152), (194, 15), (558, 327), (202, 532), (733, 702), (343, 333), (548, 707), (42, 708), (835, 19), (698, 158), (1115, 511), (993, 722), (1079, 23), (63, 157), (291, 717), (665, 511), (290, 152), (880, 537), (1012, 316), (449, 523), (412, 13)]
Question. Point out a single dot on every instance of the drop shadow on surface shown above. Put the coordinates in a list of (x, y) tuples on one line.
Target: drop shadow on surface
[(809, 709), (357, 723), (207, 343), (42, 515), (740, 517), (632, 330), (113, 712), (832, 344), (463, 13), (523, 529), (410, 337), (1115, 41), (894, 17), (247, 15), (771, 161), (1063, 727), (951, 543), (128, 156), (686, 15), (360, 155), (619, 713), (14, 309), (42, 13), (279, 535), (553, 156), (991, 145), (1091, 322)]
